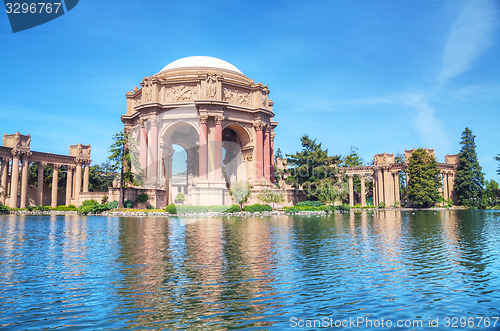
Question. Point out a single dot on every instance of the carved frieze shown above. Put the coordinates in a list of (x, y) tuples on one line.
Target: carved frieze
[(236, 97), (264, 100), (147, 89), (179, 93)]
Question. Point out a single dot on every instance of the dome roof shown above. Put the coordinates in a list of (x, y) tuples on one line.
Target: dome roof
[(201, 61)]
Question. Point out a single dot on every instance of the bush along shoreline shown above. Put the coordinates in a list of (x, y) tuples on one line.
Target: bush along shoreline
[(92, 207)]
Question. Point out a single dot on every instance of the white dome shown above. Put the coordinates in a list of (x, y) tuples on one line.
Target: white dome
[(201, 61)]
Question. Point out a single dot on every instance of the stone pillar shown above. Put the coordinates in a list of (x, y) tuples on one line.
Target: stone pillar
[(24, 180), (14, 180), (143, 147), (267, 154), (39, 184), (380, 187), (351, 190), (203, 152), (363, 193), (451, 186), (3, 180), (396, 188), (153, 173), (55, 175), (388, 192), (259, 144), (272, 157), (445, 186), (218, 146), (69, 185), (78, 183), (86, 176)]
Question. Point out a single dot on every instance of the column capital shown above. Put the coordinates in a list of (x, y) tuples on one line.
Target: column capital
[(142, 122), (56, 166), (16, 153), (272, 136), (218, 119), (203, 119), (153, 120), (258, 125)]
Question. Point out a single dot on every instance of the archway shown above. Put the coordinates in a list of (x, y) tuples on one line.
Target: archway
[(234, 141)]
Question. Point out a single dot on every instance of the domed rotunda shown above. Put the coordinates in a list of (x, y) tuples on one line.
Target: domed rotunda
[(219, 116)]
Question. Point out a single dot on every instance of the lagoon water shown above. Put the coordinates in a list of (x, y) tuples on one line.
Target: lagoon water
[(249, 273)]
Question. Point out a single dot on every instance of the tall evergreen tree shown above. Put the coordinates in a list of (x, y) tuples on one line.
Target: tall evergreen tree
[(469, 181), (424, 179), (498, 159), (311, 166)]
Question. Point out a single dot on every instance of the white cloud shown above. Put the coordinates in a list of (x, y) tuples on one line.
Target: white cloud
[(471, 33)]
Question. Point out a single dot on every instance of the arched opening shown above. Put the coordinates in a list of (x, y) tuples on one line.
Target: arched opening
[(234, 139), (179, 174)]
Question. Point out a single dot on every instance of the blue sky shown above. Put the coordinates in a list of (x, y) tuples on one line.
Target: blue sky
[(383, 76)]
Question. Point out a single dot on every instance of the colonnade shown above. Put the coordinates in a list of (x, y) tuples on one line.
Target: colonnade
[(17, 167), (15, 159)]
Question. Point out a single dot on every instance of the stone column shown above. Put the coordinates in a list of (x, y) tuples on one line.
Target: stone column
[(363, 193), (39, 184), (445, 186), (396, 188), (451, 186), (24, 180), (69, 185), (388, 194), (14, 180), (267, 153), (55, 175), (143, 147), (86, 176), (3, 180), (78, 182), (272, 157), (218, 146), (153, 173), (203, 152), (380, 187), (351, 190), (259, 144)]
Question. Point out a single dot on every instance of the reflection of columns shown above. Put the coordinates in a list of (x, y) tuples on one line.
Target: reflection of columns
[(218, 146), (351, 191), (143, 146), (69, 185), (272, 157), (39, 184), (259, 126), (154, 150), (363, 193), (14, 180), (396, 188), (3, 181), (267, 153), (24, 180), (78, 182), (203, 162), (55, 174), (86, 176)]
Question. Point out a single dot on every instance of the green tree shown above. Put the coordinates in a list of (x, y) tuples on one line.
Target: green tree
[(101, 176), (492, 193), (311, 166), (271, 196), (498, 159), (240, 191), (331, 190), (469, 180), (424, 179), (278, 173), (403, 195)]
